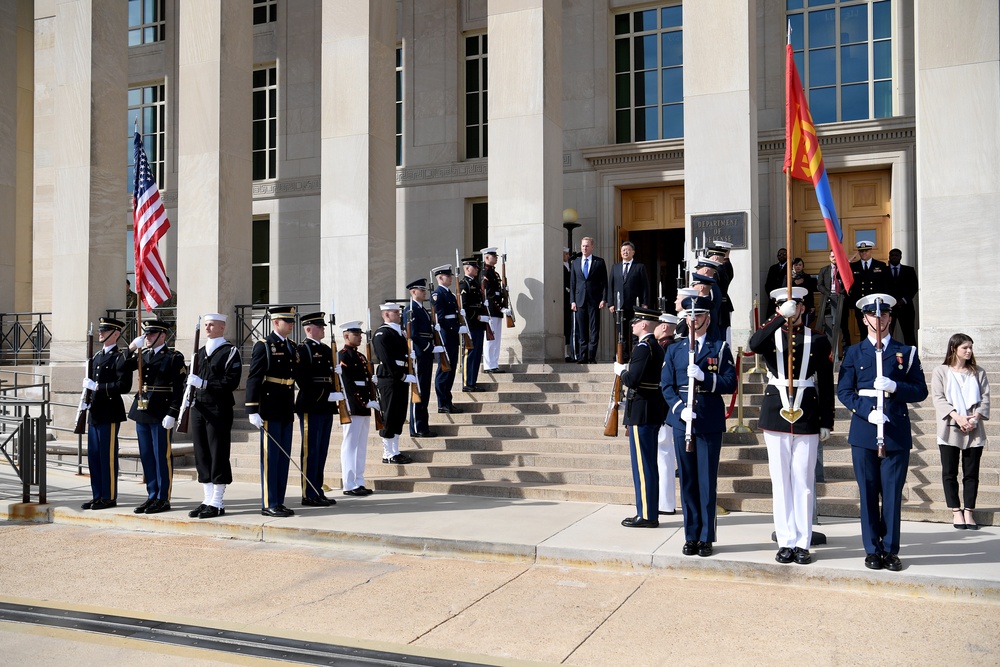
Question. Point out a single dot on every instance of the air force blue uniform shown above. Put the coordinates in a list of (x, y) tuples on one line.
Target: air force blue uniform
[(446, 310), (700, 468), (422, 334), (107, 412), (880, 477)]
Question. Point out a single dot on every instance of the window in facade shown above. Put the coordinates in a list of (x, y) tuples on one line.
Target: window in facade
[(260, 257), (843, 49), (265, 11), (480, 225), (146, 105), (649, 75), (399, 106), (476, 103), (146, 22), (265, 123)]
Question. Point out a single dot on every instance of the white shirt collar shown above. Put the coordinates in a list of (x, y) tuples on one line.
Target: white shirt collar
[(213, 344), (396, 327), (885, 341)]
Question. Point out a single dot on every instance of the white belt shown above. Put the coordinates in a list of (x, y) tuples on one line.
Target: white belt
[(447, 317), (872, 393), (361, 383), (778, 382), (400, 363)]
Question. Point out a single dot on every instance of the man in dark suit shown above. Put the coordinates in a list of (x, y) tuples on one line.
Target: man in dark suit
[(629, 279), (712, 374), (871, 276), (903, 287), (588, 286), (830, 313), (644, 414), (777, 276)]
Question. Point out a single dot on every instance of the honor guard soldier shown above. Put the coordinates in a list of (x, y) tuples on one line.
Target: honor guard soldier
[(794, 422), (220, 368), (106, 413), (712, 374), (666, 459), (155, 410), (446, 312), (878, 377), (474, 312), (494, 304), (359, 390), (706, 278), (645, 411), (871, 276), (393, 380), (316, 405), (420, 331), (270, 406), (719, 251)]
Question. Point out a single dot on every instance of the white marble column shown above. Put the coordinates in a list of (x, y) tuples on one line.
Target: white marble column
[(358, 144), (214, 204), (8, 152), (526, 170), (720, 133), (958, 183), (88, 215)]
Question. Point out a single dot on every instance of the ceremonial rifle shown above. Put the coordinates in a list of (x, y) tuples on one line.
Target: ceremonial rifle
[(370, 370), (414, 388), (503, 287), (184, 418), (462, 320), (880, 398), (444, 363), (692, 345), (87, 396), (611, 416), (342, 407)]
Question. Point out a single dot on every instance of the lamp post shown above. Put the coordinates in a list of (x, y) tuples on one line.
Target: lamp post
[(570, 218)]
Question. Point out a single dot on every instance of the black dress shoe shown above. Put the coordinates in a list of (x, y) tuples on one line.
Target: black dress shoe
[(90, 503), (398, 459), (450, 410), (355, 492), (102, 504), (314, 502), (704, 549), (873, 561), (670, 513), (367, 491), (892, 563), (287, 511), (274, 511), (424, 434), (581, 361), (211, 511), (802, 556), (197, 510), (639, 522), (467, 388), (158, 506), (690, 548), (143, 507), (785, 555)]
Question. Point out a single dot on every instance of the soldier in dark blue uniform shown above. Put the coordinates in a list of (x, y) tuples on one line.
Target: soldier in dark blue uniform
[(359, 390), (644, 413), (270, 402), (155, 410), (446, 311), (719, 251), (393, 380), (714, 374), (474, 312), (316, 404), (897, 380), (105, 414), (220, 368), (417, 322), (871, 276)]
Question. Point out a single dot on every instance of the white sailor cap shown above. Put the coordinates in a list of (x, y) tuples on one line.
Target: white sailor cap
[(668, 318), (565, 248), (688, 291), (780, 295), (390, 306), (443, 270), (705, 261), (721, 245), (877, 301), (351, 326), (865, 245), (214, 317), (489, 251)]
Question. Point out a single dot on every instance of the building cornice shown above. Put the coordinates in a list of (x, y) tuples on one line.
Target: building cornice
[(628, 155), (833, 137)]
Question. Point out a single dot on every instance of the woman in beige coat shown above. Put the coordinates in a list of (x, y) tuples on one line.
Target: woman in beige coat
[(961, 396)]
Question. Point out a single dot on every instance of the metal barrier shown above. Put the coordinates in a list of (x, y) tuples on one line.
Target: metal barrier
[(23, 431), (252, 324), (24, 338), (168, 315)]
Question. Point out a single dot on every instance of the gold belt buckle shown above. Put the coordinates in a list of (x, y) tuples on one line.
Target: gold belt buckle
[(141, 402)]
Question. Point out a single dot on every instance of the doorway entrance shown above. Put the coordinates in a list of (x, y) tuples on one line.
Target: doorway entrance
[(653, 220)]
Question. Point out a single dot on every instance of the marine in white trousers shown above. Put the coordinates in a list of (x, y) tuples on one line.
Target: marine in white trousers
[(791, 459), (666, 463), (491, 348), (353, 450)]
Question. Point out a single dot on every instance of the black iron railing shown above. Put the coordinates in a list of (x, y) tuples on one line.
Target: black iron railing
[(252, 324), (24, 418), (168, 315), (24, 338)]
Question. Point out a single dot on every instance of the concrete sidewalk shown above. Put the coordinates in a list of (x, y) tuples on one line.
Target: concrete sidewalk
[(937, 560)]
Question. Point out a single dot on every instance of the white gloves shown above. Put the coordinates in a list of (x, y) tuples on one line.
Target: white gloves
[(335, 396), (484, 318), (877, 417), (437, 327), (461, 311), (195, 381), (168, 422), (89, 384), (138, 342), (824, 434), (413, 355), (620, 368), (256, 420), (688, 415), (883, 383), (508, 311), (694, 371), (438, 349), (373, 405), (463, 330), (411, 379), (337, 369), (83, 406), (788, 309)]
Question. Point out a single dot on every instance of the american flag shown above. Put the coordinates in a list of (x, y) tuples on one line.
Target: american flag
[(151, 224)]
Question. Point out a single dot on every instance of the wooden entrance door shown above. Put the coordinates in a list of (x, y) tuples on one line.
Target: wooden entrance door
[(653, 219)]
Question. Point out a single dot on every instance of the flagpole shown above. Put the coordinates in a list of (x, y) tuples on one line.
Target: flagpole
[(138, 281), (790, 252)]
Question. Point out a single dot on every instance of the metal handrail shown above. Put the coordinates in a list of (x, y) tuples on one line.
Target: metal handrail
[(252, 324), (24, 337), (130, 331)]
